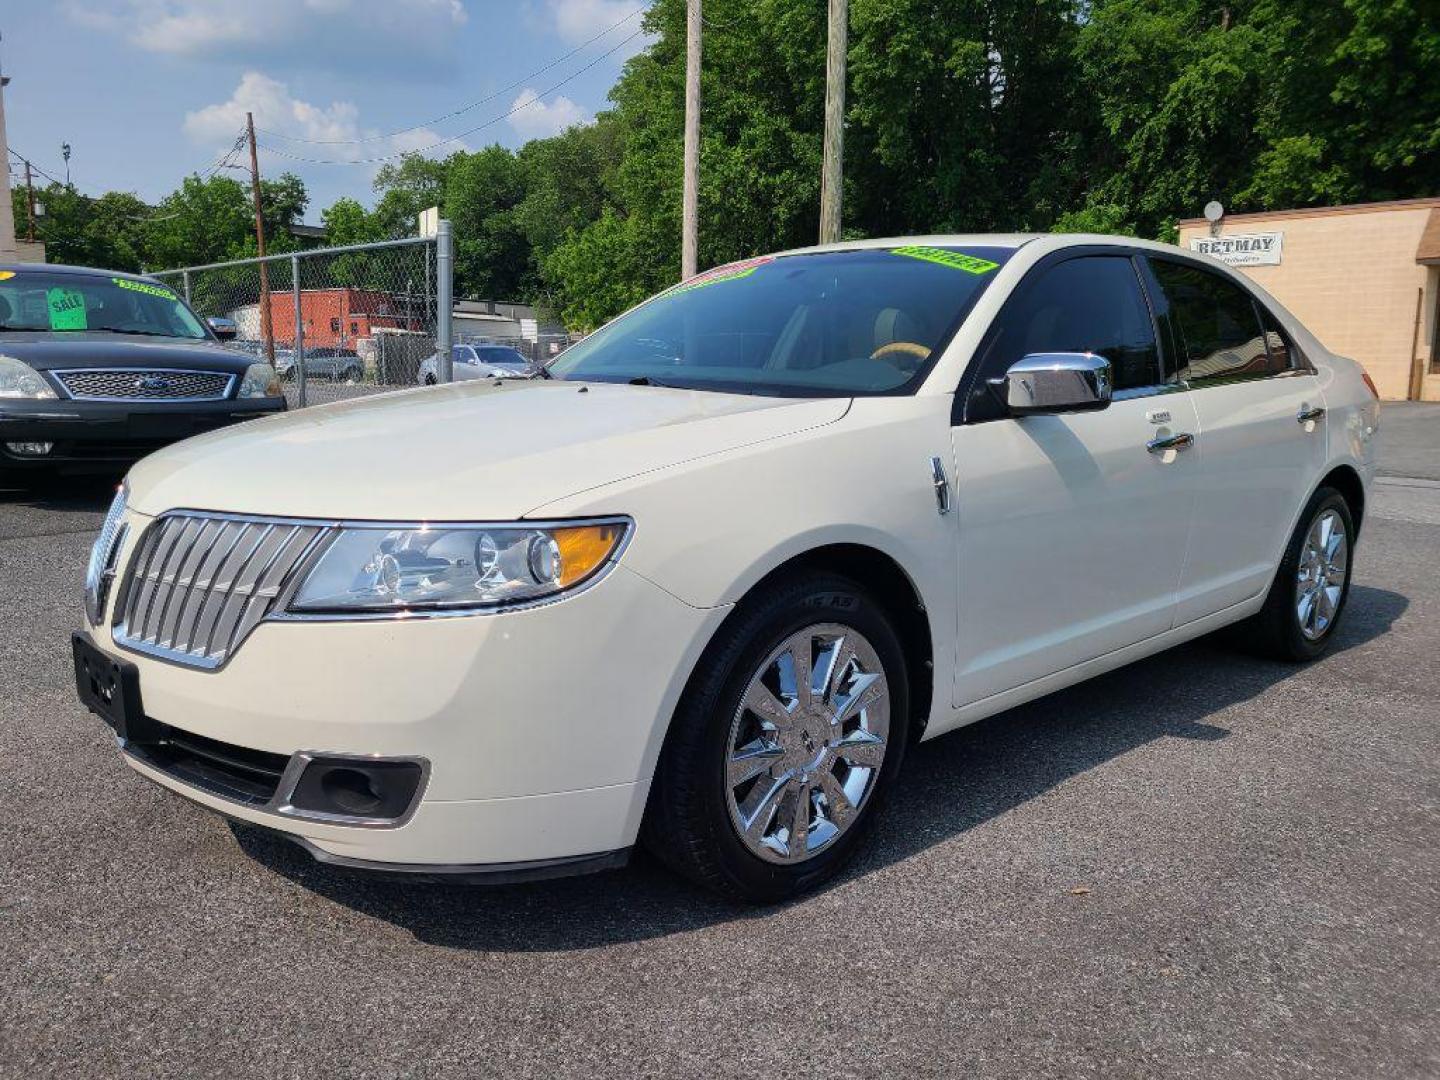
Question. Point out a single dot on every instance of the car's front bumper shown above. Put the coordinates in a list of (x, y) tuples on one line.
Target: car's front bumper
[(104, 434), (540, 727)]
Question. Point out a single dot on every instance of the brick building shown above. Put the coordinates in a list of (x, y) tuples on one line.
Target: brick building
[(1365, 279), (339, 316)]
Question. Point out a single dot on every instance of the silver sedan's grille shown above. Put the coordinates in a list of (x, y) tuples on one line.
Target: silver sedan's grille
[(126, 384), (198, 584)]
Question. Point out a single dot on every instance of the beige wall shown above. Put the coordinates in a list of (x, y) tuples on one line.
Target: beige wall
[(1351, 277)]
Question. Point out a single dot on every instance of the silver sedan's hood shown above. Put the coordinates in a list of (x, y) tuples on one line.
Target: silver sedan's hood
[(471, 451)]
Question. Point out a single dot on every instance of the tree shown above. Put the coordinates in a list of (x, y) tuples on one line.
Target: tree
[(482, 190), (407, 187)]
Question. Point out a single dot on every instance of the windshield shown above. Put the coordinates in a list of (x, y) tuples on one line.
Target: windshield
[(44, 302), (824, 324)]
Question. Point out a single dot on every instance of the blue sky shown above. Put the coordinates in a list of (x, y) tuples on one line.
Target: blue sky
[(146, 91)]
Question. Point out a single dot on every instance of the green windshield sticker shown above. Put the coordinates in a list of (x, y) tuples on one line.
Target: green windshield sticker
[(953, 259), (142, 287), (729, 272), (67, 309)]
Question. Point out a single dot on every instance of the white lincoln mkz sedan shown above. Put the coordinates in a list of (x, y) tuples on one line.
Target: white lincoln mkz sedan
[(703, 586)]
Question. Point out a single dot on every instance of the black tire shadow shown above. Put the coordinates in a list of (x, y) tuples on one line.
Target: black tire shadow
[(949, 786)]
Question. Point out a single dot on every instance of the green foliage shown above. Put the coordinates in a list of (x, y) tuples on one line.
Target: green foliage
[(407, 187)]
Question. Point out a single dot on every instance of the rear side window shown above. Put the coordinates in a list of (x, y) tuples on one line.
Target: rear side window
[(1088, 304), (1284, 355), (1217, 329)]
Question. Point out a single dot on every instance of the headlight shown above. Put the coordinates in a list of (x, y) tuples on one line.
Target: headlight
[(260, 381), (445, 567), (18, 380)]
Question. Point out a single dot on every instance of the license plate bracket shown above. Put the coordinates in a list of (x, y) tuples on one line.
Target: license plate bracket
[(110, 688)]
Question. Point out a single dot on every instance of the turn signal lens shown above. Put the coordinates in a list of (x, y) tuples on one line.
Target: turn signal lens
[(583, 550)]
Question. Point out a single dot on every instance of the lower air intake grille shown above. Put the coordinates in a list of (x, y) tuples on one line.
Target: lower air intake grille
[(198, 584)]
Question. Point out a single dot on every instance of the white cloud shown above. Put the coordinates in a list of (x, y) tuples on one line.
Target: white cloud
[(275, 110), (325, 30), (279, 113), (535, 119), (581, 20)]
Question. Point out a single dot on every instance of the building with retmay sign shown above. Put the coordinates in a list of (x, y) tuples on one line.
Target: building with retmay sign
[(1365, 279)]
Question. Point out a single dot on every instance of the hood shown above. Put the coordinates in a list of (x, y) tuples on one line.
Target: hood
[(99, 349), (467, 451)]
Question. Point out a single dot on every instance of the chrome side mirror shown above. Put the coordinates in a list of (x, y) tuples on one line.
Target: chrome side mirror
[(1055, 383)]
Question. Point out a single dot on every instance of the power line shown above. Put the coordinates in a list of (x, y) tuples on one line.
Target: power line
[(22, 158), (537, 99), (464, 108)]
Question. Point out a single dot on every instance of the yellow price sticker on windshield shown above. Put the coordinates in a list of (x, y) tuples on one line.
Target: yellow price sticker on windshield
[(6, 275), (956, 260), (67, 309), (144, 287)]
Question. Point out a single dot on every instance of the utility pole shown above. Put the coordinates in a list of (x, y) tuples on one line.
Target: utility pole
[(690, 206), (267, 332), (831, 173), (29, 204)]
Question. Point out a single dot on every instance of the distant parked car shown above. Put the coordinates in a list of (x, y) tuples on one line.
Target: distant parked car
[(323, 362), (99, 369), (479, 362)]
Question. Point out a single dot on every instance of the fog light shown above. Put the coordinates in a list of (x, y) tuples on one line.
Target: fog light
[(368, 789), (30, 449)]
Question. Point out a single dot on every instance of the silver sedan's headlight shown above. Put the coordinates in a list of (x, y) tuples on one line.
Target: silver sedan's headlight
[(443, 567), (260, 381), (20, 380)]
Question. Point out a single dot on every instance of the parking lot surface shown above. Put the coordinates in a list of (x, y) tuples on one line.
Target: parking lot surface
[(1203, 864)]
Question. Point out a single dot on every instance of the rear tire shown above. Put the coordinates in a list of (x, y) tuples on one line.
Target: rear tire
[(1311, 586), (731, 783)]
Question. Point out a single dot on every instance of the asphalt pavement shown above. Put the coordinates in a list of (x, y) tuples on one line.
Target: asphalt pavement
[(1200, 865)]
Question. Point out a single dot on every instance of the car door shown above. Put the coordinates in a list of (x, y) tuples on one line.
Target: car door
[(1072, 527), (1262, 433), (464, 362)]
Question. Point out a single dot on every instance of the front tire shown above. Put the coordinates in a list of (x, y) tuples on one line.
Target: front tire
[(769, 782), (1311, 587)]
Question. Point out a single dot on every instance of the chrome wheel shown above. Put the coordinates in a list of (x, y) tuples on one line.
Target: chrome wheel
[(1320, 582), (807, 743)]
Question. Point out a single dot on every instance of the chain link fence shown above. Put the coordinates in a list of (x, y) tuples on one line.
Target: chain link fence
[(336, 322)]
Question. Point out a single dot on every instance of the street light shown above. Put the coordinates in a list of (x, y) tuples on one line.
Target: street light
[(65, 153)]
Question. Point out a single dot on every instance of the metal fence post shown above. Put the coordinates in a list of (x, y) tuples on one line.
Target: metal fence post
[(185, 277), (299, 354), (444, 300)]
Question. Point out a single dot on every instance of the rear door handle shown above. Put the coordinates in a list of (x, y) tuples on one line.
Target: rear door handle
[(1183, 441), (1304, 416)]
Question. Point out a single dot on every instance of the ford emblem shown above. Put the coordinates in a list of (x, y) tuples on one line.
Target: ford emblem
[(152, 382)]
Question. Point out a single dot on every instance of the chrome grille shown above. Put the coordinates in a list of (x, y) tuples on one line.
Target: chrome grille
[(198, 584), (135, 384)]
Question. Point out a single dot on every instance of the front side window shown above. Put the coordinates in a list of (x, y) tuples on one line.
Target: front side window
[(1089, 304), (46, 302), (832, 323), (1217, 330)]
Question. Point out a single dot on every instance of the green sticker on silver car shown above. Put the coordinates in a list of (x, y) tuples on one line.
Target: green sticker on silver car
[(955, 260)]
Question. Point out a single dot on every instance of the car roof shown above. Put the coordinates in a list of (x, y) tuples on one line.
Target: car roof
[(77, 271), (1014, 241)]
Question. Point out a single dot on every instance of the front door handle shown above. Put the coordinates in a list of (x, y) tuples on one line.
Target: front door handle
[(1183, 441), (1304, 416)]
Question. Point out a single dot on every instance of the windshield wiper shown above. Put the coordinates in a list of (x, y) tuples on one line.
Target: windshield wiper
[(646, 380)]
